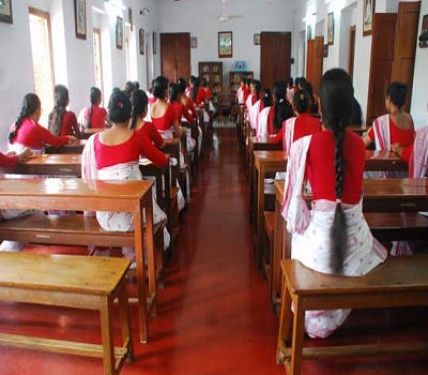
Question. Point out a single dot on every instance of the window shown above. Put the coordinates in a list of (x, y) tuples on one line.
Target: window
[(41, 49), (96, 37)]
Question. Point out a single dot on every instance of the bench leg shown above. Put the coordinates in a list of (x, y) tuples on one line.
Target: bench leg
[(297, 341), (285, 325), (126, 325), (107, 337)]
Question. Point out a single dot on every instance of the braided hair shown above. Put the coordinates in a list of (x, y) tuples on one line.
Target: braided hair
[(61, 100), (95, 98), (283, 110), (336, 94), (139, 101), (30, 105)]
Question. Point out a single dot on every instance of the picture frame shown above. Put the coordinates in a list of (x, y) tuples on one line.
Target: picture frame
[(308, 32), (225, 44), (256, 39), (330, 29), (119, 32), (80, 19), (369, 8), (155, 42), (141, 40), (425, 23), (6, 14), (193, 42), (325, 50)]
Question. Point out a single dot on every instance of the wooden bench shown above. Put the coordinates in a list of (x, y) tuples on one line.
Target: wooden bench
[(399, 282), (74, 282), (268, 237)]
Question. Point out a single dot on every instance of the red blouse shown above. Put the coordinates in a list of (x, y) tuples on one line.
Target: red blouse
[(8, 162), (305, 125), (166, 121), (32, 135), (150, 131), (189, 112), (178, 110), (247, 92), (271, 118), (69, 124), (200, 96), (98, 117), (208, 93), (128, 151), (320, 166)]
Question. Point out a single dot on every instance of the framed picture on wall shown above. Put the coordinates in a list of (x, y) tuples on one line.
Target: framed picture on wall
[(330, 29), (155, 42), (368, 12), (309, 32), (80, 18), (425, 23), (6, 11), (119, 32), (193, 42), (256, 39), (141, 41), (225, 44), (325, 50)]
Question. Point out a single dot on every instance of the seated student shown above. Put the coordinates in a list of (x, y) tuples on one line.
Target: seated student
[(94, 116), (254, 104), (130, 87), (189, 89), (242, 92), (300, 126), (114, 154), (333, 237), (290, 90), (206, 90), (281, 111), (396, 127), (267, 102), (61, 121), (162, 113), (139, 101), (189, 111), (307, 86), (27, 133), (198, 94)]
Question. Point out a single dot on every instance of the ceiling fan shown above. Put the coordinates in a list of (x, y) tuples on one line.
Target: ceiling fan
[(224, 17)]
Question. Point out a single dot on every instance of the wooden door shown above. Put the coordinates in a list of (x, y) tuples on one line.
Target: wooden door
[(175, 55), (382, 56), (275, 57), (314, 62), (406, 34), (352, 51)]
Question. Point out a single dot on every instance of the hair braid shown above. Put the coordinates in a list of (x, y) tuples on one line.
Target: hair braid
[(30, 104)]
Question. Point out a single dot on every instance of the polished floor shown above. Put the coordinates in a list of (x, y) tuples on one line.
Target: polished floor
[(214, 315)]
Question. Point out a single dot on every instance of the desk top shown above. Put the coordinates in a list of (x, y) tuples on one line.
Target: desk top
[(73, 188), (264, 143), (75, 148), (54, 160), (73, 274)]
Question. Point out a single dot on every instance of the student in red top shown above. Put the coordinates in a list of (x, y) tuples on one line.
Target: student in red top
[(395, 129), (281, 111), (162, 113), (333, 237), (206, 90), (27, 133), (175, 102), (94, 116), (139, 101), (189, 111), (302, 125)]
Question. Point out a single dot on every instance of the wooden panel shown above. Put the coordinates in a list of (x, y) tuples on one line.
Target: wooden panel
[(175, 55), (406, 34), (314, 62), (382, 55), (275, 57), (352, 51)]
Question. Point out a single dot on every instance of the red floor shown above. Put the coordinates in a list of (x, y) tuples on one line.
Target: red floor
[(214, 316)]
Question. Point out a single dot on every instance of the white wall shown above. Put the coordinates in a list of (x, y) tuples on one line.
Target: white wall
[(199, 18), (420, 81), (73, 58)]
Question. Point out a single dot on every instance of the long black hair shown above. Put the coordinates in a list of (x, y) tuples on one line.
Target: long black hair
[(283, 110), (397, 94), (267, 98), (139, 101), (257, 86), (336, 94), (30, 105), (119, 107), (196, 84), (61, 100), (174, 92), (160, 85), (130, 87), (95, 97), (181, 82)]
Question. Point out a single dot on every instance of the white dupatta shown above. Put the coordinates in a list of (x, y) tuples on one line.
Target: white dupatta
[(420, 154), (240, 96), (382, 133), (254, 114), (289, 133), (262, 125)]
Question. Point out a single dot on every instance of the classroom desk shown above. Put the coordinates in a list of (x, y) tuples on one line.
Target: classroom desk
[(384, 195), (51, 165), (79, 195), (76, 148)]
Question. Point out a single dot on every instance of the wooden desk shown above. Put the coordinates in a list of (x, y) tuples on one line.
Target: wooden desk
[(51, 165), (385, 195), (264, 162), (79, 195), (88, 132), (384, 161), (76, 148)]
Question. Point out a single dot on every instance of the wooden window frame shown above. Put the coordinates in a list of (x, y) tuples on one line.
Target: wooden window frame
[(97, 31)]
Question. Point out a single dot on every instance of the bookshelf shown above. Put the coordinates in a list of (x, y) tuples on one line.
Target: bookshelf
[(212, 71)]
